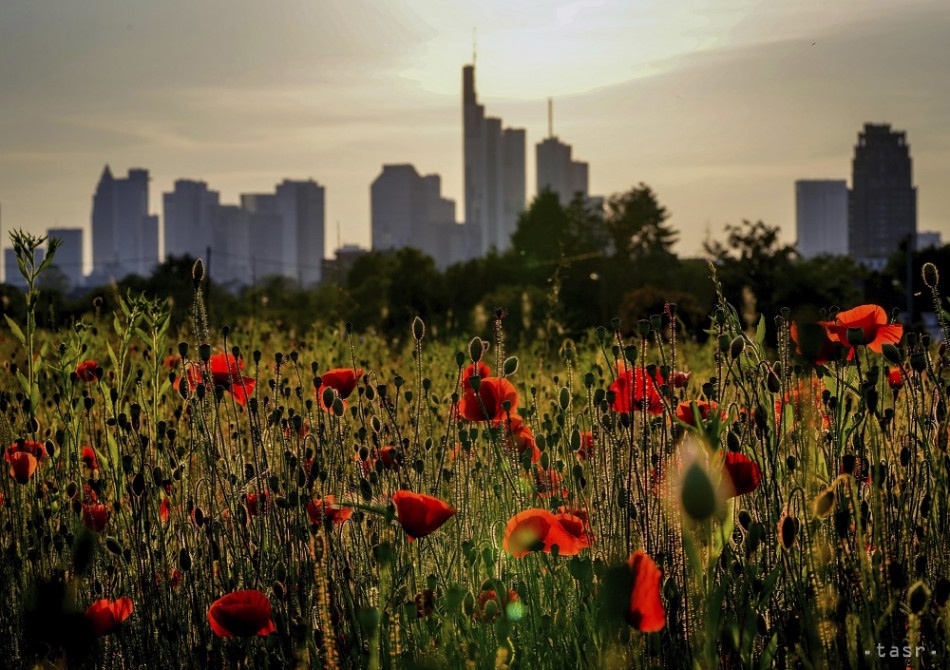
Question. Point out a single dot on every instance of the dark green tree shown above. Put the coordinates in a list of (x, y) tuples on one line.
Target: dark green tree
[(636, 223)]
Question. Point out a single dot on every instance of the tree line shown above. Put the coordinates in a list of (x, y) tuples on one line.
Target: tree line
[(570, 267)]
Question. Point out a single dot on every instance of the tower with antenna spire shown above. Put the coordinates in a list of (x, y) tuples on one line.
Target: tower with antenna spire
[(556, 169), (494, 169)]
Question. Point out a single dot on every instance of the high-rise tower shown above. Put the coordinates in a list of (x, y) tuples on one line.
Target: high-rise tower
[(494, 168), (883, 208), (124, 234)]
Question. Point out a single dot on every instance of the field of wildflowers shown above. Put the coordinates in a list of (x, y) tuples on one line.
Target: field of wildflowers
[(241, 499)]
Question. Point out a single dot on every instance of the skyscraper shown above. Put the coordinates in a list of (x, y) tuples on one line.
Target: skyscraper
[(883, 208), (190, 213), (302, 205), (124, 234), (556, 170), (821, 216), (408, 210), (397, 207), (494, 168)]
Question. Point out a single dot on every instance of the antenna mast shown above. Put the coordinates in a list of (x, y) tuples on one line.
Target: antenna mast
[(550, 117), (474, 45)]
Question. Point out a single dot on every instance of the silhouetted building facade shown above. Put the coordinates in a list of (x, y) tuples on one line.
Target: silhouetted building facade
[(302, 205), (190, 212), (883, 208), (557, 170), (821, 217), (408, 210), (494, 169), (124, 234)]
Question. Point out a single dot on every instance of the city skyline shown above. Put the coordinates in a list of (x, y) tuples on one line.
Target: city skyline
[(717, 106)]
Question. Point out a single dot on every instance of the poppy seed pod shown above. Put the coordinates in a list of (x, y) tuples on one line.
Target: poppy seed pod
[(930, 275), (787, 531)]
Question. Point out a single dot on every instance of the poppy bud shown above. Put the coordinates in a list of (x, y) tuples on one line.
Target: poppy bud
[(733, 442), (198, 271), (855, 336), (418, 329), (918, 362), (787, 531), (564, 398), (736, 347), (930, 275), (511, 366), (475, 349), (720, 317), (824, 503), (723, 343), (643, 327), (892, 353), (773, 383), (917, 597), (698, 495)]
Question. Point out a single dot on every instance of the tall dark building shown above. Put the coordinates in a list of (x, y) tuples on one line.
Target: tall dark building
[(883, 207), (124, 234), (494, 168)]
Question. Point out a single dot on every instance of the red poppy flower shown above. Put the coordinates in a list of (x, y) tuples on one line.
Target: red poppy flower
[(37, 449), (480, 369), (547, 482), (540, 530), (684, 411), (89, 458), (577, 526), (488, 613), (812, 341), (521, 439), (165, 510), (487, 404), (257, 503), (740, 475), (895, 378), (22, 466), (586, 451), (872, 320), (679, 379), (95, 516), (646, 610), (635, 389), (105, 614), (86, 371), (420, 514), (802, 398), (390, 457), (241, 614), (171, 361), (425, 603), (318, 510), (342, 380), (225, 372)]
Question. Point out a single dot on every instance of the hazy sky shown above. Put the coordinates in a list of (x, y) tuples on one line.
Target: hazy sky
[(718, 105)]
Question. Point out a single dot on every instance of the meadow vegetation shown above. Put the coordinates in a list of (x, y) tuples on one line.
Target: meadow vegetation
[(231, 495)]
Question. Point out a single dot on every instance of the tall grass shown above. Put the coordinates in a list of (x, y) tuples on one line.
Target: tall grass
[(837, 557)]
